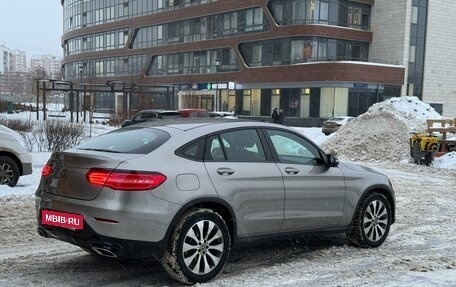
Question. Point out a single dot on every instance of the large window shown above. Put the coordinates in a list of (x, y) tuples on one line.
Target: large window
[(253, 55), (197, 62), (302, 49), (333, 12), (358, 16), (254, 20), (77, 13), (230, 23), (288, 12), (418, 27), (297, 51), (354, 16), (198, 29), (117, 66), (109, 40)]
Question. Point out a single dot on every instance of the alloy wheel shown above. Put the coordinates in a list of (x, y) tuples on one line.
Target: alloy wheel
[(375, 220), (203, 247), (6, 173)]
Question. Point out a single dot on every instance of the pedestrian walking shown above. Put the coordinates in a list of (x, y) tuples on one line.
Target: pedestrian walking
[(275, 116)]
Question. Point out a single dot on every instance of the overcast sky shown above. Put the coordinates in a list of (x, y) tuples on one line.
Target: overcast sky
[(34, 26)]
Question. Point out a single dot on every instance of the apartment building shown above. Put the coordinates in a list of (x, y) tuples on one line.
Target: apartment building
[(313, 58)]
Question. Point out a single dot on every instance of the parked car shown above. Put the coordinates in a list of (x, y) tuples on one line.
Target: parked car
[(147, 115), (225, 115), (194, 113), (333, 124), (187, 192), (15, 157)]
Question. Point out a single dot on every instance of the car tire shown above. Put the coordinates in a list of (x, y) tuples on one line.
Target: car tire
[(9, 171), (372, 221), (198, 248)]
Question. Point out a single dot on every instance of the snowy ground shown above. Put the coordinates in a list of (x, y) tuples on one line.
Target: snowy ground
[(420, 250)]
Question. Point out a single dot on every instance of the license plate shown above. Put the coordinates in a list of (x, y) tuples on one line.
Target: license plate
[(61, 219)]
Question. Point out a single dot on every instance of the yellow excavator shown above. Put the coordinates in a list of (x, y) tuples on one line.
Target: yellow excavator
[(424, 147)]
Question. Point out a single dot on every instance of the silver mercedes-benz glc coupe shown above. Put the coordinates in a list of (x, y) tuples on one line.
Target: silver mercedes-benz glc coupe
[(187, 192)]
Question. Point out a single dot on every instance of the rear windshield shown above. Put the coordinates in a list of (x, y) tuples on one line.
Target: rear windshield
[(170, 114), (131, 140)]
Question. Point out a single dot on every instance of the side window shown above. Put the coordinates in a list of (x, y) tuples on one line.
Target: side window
[(291, 148), (137, 117), (193, 150), (214, 150), (149, 115), (242, 145)]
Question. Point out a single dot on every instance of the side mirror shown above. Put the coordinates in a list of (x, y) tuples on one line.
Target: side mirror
[(333, 161)]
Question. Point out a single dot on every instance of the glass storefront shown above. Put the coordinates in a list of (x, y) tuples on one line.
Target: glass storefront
[(306, 102)]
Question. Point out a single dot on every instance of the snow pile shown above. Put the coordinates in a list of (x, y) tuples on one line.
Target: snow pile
[(446, 161), (382, 133), (409, 109)]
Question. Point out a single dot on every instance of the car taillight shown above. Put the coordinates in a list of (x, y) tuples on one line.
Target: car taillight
[(46, 170), (125, 180)]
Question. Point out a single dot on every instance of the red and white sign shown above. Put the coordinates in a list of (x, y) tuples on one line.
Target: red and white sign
[(60, 219)]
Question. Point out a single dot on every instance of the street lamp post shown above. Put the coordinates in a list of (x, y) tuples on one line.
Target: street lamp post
[(217, 100), (78, 93)]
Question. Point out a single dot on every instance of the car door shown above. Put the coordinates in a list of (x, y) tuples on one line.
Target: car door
[(314, 192), (242, 176)]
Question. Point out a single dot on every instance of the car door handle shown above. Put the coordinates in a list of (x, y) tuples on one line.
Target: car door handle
[(225, 171), (291, 170)]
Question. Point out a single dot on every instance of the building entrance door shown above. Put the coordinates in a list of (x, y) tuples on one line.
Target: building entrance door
[(207, 102)]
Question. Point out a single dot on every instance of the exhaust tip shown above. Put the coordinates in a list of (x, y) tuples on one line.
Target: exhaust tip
[(104, 252)]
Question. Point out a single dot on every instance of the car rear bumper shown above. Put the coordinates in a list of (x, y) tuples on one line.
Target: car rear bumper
[(118, 217), (26, 160), (27, 168), (106, 246)]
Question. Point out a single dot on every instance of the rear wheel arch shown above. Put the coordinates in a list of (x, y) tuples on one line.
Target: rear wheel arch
[(215, 204), (198, 242)]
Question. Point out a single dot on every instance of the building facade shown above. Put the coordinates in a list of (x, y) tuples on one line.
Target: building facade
[(52, 65), (439, 85), (12, 60), (13, 68), (312, 58), (6, 60)]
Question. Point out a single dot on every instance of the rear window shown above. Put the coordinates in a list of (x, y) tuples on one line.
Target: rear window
[(132, 140), (170, 114)]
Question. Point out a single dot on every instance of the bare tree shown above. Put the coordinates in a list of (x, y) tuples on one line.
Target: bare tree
[(16, 82), (38, 74)]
